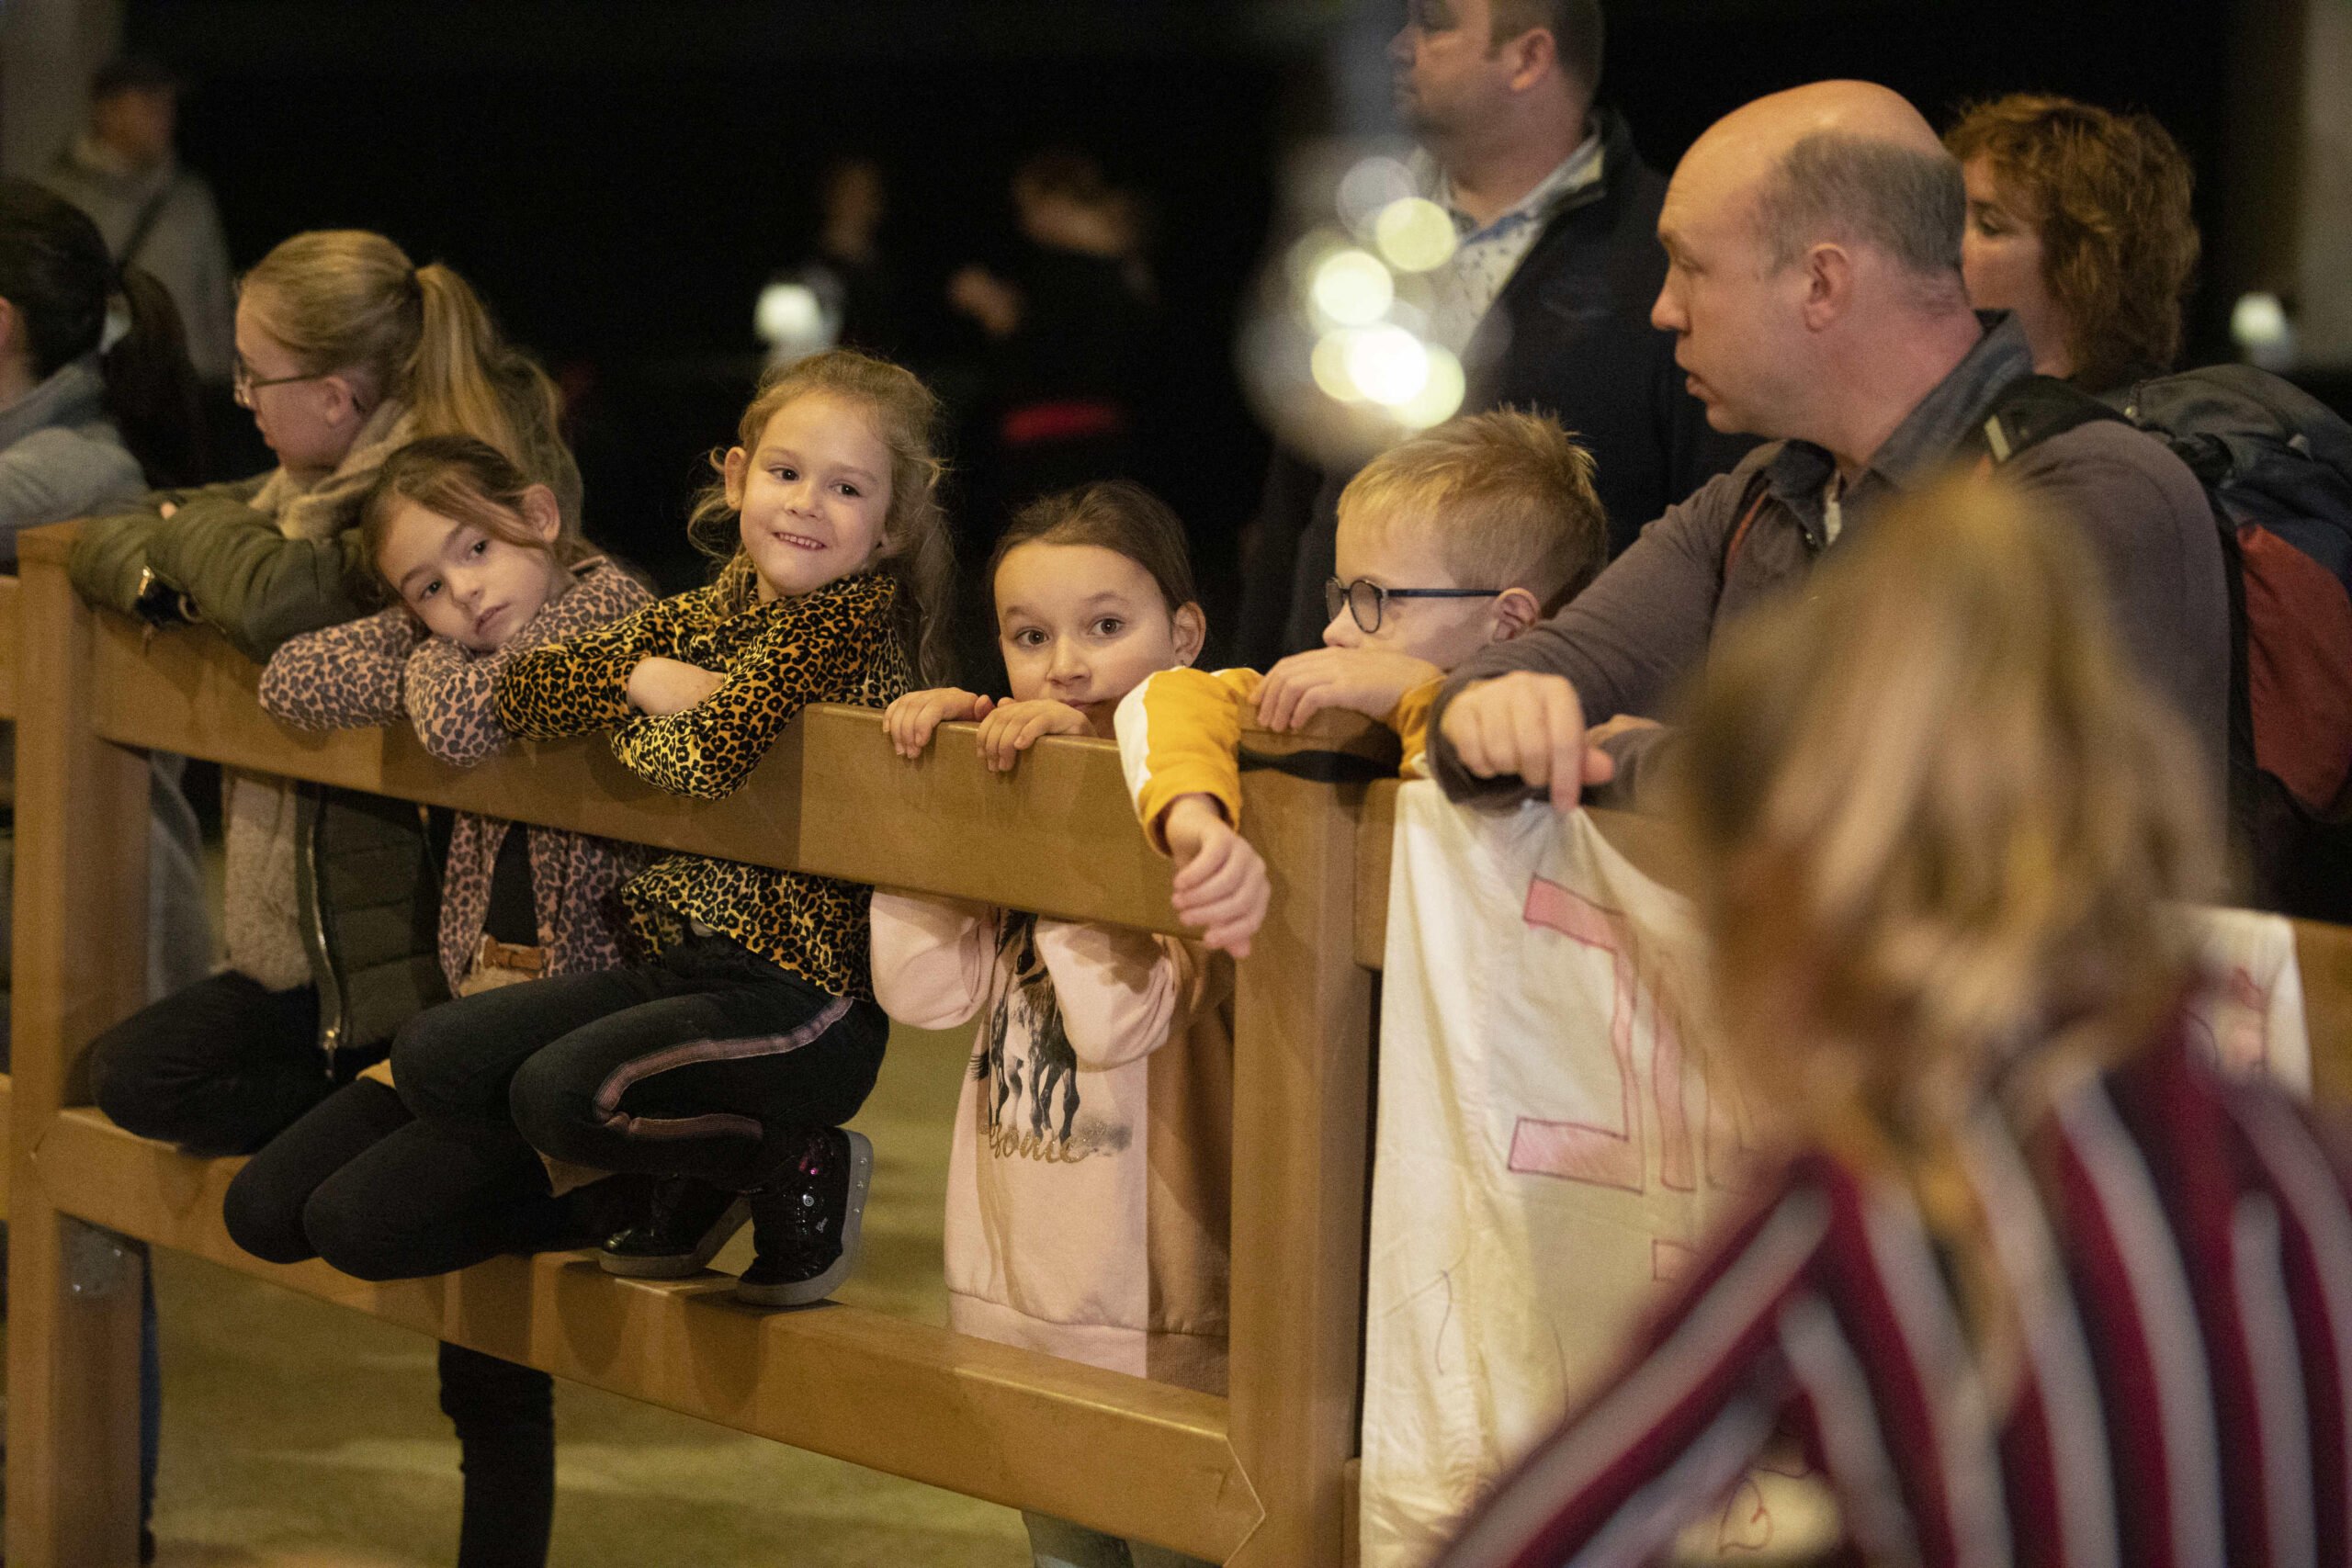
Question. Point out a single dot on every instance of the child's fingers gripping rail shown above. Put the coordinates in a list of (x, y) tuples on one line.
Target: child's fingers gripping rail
[(1221, 887), (1368, 680), (1012, 727), (911, 720)]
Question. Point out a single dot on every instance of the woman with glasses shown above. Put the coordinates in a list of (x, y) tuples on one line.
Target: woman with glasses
[(346, 352)]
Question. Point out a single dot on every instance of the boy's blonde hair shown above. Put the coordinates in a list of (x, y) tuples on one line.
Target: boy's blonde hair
[(1508, 495), (1941, 832)]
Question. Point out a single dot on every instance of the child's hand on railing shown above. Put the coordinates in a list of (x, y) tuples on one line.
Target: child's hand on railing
[(1012, 728), (1369, 681), (661, 686), (910, 721), (1221, 887)]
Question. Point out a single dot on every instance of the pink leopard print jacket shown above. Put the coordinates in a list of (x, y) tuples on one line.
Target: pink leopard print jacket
[(385, 668)]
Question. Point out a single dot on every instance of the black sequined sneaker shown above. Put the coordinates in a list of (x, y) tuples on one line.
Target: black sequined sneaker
[(805, 1221), (680, 1231)]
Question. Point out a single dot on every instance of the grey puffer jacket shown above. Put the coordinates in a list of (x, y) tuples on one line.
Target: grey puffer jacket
[(61, 455)]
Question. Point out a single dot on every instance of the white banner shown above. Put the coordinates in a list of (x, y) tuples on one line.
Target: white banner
[(1550, 1151)]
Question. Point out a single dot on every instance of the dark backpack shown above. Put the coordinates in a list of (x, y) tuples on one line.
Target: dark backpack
[(2276, 464)]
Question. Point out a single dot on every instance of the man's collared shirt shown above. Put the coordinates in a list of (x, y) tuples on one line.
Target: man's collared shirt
[(1802, 475), (1485, 258)]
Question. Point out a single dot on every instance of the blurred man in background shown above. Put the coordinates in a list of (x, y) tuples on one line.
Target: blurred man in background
[(1546, 297), (124, 172)]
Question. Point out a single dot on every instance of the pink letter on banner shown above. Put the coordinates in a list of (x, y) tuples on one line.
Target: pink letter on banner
[(1574, 1151)]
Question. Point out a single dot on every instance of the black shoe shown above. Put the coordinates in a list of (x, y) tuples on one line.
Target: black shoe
[(805, 1221), (682, 1230)]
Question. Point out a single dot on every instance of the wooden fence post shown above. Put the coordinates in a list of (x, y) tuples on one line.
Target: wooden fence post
[(1302, 1077), (73, 1473)]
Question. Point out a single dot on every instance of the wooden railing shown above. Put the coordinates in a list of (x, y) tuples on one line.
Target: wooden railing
[(7, 785), (1253, 1479), (1256, 1479)]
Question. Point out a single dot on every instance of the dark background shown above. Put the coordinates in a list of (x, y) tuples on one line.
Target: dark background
[(618, 179)]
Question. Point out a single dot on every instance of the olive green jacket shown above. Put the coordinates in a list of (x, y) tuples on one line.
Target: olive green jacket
[(240, 574)]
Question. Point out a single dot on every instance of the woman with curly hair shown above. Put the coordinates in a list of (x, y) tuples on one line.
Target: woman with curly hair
[(2079, 222)]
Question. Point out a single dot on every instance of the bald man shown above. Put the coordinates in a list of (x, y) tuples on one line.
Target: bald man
[(1813, 288)]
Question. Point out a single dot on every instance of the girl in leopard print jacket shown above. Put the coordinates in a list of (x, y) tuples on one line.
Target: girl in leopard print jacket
[(724, 1063), (397, 664)]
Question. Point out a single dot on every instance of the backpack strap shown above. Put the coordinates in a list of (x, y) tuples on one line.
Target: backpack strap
[(143, 230), (1759, 492), (2029, 412)]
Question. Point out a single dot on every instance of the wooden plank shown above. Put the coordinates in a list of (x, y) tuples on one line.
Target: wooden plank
[(818, 803), (1301, 1140), (982, 1418), (8, 590), (7, 1092), (80, 947), (2323, 954)]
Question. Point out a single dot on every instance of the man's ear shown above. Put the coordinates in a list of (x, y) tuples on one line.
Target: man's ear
[(541, 516), (1514, 611), (1828, 285), (12, 328), (738, 463), (1532, 55), (1192, 632)]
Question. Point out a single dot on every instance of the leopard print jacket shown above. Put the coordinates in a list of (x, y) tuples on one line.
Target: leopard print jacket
[(839, 644), (385, 668)]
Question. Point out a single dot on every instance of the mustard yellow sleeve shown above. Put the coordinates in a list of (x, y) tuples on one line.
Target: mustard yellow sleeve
[(1410, 721), (1180, 733)]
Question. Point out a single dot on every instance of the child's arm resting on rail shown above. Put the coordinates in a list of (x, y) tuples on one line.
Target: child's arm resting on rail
[(581, 684), (1369, 681), (1180, 733), (708, 749), (451, 694), (346, 677)]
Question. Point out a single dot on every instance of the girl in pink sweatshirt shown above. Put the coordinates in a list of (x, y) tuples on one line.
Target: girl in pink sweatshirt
[(1087, 1190)]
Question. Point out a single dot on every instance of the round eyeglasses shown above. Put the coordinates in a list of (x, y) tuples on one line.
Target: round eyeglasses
[(243, 383), (1368, 602)]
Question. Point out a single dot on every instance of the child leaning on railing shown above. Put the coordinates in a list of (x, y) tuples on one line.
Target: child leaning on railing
[(1088, 1184), (726, 1062)]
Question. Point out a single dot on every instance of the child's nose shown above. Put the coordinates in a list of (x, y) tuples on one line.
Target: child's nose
[(1342, 631)]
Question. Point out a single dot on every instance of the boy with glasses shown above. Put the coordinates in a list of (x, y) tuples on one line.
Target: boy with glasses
[(1457, 539)]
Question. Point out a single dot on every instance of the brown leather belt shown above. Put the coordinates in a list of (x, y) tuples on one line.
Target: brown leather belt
[(495, 954)]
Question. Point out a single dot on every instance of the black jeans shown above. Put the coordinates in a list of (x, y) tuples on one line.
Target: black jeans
[(700, 1062), (218, 1069), (364, 1185)]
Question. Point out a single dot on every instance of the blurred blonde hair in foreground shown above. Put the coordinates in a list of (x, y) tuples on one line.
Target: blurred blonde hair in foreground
[(1941, 832)]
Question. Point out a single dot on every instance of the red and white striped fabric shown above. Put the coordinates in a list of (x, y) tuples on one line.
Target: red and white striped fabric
[(2178, 1247)]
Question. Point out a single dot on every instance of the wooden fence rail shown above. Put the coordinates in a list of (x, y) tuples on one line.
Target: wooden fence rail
[(1255, 1479), (7, 711)]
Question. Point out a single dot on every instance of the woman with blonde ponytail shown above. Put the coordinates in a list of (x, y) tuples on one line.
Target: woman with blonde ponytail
[(2033, 1282), (346, 352)]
